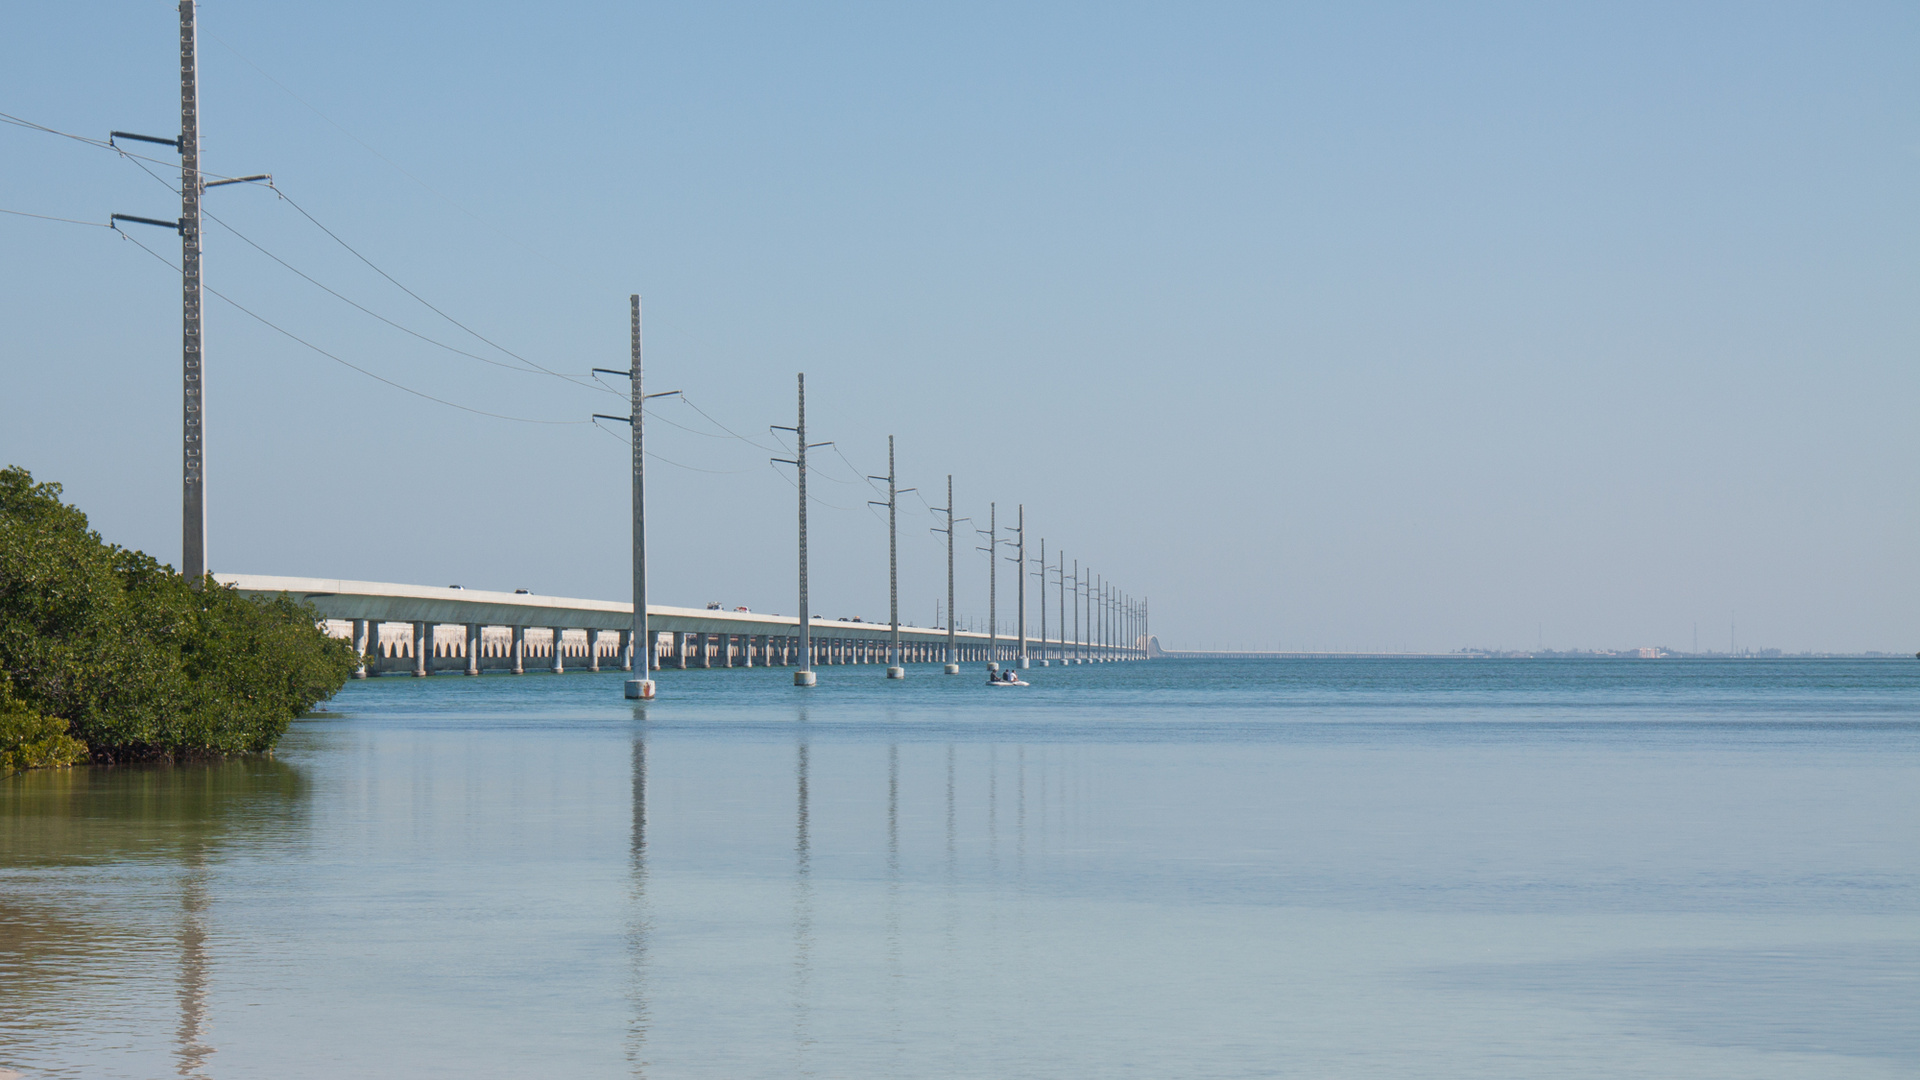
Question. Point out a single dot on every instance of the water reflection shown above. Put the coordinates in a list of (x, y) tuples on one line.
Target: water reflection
[(641, 927), (192, 1051), (73, 964), (802, 918)]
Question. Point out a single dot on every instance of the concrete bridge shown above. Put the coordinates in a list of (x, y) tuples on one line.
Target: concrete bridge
[(422, 629)]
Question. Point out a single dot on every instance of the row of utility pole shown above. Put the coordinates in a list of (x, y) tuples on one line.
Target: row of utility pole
[(1112, 620), (1115, 621)]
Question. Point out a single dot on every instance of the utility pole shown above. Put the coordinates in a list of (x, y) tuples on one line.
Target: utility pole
[(894, 668), (953, 655), (1079, 645), (1020, 560), (1043, 601), (1097, 614), (643, 651), (193, 457), (992, 534), (1064, 661), (803, 676), (193, 493)]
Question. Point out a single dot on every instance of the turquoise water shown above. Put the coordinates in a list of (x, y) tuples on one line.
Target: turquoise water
[(1375, 868)]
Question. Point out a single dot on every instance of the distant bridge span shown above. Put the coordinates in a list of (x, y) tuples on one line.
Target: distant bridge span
[(424, 628)]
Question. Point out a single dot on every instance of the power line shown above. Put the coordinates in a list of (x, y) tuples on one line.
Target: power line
[(669, 461), (250, 242), (423, 301), (347, 363), (101, 144), (50, 217), (730, 431)]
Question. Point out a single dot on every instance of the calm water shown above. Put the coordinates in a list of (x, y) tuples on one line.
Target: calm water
[(1312, 868)]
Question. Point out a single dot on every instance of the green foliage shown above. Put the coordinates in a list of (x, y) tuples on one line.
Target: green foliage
[(29, 740), (137, 663)]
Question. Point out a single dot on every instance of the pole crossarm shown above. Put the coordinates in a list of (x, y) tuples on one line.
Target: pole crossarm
[(176, 225), (112, 135), (268, 177)]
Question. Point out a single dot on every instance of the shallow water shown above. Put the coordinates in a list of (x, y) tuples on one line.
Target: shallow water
[(1178, 868)]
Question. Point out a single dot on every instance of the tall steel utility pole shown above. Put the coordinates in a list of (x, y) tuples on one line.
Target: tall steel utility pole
[(1043, 601), (1078, 644), (803, 676), (643, 645), (1097, 613), (1020, 560), (193, 493), (1064, 661), (193, 412), (894, 668), (953, 655), (992, 549)]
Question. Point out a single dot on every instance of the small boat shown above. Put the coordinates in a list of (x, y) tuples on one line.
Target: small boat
[(997, 682)]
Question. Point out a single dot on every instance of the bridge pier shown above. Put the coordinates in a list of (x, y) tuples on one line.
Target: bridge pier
[(473, 648), (593, 650), (519, 650), (559, 665), (422, 650), (360, 648)]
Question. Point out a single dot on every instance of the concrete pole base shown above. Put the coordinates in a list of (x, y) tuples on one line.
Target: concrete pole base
[(993, 668), (953, 669), (896, 672), (1023, 664), (1046, 663), (360, 674), (803, 678), (641, 689)]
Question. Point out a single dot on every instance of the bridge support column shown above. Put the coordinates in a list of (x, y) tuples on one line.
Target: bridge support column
[(559, 665), (593, 649), (360, 648), (701, 650), (746, 646), (422, 649), (726, 650), (625, 647), (473, 648), (519, 650)]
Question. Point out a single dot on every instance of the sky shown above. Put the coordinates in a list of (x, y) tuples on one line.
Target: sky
[(1322, 327)]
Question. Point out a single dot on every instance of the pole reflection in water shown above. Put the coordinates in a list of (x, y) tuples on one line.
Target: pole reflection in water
[(802, 916), (1020, 817), (640, 929), (193, 1051), (896, 971), (993, 810)]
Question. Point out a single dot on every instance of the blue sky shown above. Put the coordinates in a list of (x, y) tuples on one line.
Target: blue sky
[(1350, 326)]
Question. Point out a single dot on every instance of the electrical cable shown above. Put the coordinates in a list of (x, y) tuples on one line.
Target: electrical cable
[(102, 144), (249, 241), (50, 217), (730, 431), (346, 363), (423, 301), (812, 498), (628, 442)]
